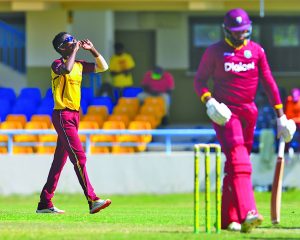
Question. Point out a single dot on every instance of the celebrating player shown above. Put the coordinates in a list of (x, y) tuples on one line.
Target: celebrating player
[(66, 75), (236, 65)]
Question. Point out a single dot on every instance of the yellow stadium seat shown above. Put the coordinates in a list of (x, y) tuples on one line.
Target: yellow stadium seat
[(98, 110), (41, 118), (43, 138), (16, 118)]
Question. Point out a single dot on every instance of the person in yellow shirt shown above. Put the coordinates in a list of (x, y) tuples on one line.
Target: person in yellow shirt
[(66, 73), (121, 66)]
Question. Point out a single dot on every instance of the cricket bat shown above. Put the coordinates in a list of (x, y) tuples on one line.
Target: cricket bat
[(277, 184)]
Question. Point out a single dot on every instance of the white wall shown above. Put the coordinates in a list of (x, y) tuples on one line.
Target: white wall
[(128, 174)]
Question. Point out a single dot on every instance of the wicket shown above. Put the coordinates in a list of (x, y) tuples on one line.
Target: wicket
[(197, 149)]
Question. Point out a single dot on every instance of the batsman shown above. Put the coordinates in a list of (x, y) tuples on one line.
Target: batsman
[(237, 65)]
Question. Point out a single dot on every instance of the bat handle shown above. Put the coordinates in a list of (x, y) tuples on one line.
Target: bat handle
[(281, 147)]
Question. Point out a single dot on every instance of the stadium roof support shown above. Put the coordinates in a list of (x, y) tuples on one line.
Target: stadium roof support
[(271, 6)]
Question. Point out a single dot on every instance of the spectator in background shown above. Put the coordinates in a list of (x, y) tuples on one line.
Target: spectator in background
[(121, 66), (292, 106), (158, 82), (292, 110)]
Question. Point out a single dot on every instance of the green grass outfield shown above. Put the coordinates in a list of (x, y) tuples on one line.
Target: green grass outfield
[(132, 217)]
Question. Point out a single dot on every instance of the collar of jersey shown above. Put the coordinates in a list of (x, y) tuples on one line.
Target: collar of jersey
[(239, 47)]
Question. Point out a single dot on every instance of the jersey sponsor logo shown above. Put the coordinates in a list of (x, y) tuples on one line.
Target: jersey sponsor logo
[(239, 67), (226, 54), (247, 54)]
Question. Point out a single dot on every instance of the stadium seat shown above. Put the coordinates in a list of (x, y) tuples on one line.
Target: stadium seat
[(156, 101), (41, 118), (83, 106), (132, 91), (147, 118), (28, 137), (108, 125), (155, 110), (104, 101), (122, 150), (49, 93), (98, 110), (13, 125), (87, 125), (94, 118), (100, 150), (5, 108), (87, 94), (125, 110), (119, 117), (31, 93), (22, 150), (24, 106), (140, 140), (45, 149), (132, 102), (21, 118), (8, 94)]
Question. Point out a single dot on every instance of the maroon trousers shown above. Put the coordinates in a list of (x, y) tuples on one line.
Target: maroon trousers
[(236, 139), (66, 124)]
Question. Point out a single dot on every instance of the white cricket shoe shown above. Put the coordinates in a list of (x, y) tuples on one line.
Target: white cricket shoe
[(253, 220), (234, 227), (99, 205), (50, 210)]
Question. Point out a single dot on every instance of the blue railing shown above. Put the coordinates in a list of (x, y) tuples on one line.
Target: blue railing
[(12, 47), (168, 134)]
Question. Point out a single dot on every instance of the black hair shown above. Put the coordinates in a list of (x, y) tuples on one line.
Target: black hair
[(57, 40), (119, 46)]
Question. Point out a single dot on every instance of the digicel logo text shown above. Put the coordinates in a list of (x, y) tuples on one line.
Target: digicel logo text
[(241, 67)]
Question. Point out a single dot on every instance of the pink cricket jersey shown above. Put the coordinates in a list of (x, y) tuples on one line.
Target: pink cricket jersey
[(236, 74)]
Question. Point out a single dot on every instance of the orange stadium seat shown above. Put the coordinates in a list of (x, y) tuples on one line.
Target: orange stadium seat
[(17, 118), (156, 101), (41, 118), (94, 118), (119, 117), (153, 110), (132, 102), (9, 126), (87, 125), (147, 118), (125, 110), (98, 110), (108, 125)]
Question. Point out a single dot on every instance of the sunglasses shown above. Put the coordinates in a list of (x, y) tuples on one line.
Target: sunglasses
[(67, 40)]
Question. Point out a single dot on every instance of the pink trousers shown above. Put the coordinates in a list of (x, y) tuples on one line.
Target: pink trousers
[(236, 139), (66, 124)]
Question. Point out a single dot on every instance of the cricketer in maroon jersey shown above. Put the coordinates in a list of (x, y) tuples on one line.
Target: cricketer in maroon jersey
[(236, 65)]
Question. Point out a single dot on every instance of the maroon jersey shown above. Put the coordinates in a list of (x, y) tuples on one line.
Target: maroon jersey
[(236, 73)]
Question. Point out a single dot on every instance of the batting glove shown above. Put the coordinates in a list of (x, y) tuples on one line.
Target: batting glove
[(285, 128), (218, 112)]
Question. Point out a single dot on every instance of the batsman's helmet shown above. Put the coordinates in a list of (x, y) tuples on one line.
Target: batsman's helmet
[(237, 20)]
